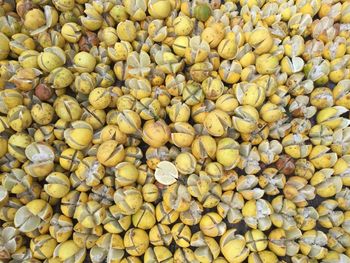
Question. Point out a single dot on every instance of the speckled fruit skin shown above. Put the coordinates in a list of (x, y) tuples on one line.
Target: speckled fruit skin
[(43, 92)]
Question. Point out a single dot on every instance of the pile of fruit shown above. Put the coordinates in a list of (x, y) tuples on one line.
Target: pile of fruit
[(179, 131)]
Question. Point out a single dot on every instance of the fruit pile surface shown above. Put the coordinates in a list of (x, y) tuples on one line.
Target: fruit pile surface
[(175, 131)]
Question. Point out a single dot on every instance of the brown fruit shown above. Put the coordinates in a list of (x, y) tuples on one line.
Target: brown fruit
[(87, 41), (43, 92), (285, 164)]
